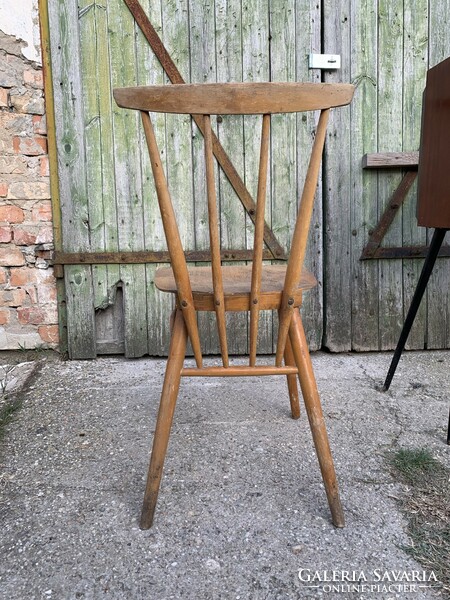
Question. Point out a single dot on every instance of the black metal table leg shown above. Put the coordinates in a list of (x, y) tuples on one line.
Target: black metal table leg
[(435, 245)]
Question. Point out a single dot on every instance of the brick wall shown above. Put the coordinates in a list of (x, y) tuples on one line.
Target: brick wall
[(28, 308)]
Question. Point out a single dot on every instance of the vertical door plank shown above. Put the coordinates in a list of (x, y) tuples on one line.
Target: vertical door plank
[(255, 67), (202, 45), (438, 290), (175, 36), (390, 113), (364, 193), (415, 64), (128, 179), (68, 98), (229, 65), (337, 186), (107, 191), (159, 305), (283, 173), (307, 40), (102, 224)]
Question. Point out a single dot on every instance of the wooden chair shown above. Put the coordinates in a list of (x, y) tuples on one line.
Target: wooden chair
[(249, 288)]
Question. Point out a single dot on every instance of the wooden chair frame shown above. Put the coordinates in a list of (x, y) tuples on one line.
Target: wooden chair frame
[(238, 288)]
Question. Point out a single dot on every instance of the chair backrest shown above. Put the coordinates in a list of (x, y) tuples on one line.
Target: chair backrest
[(433, 206), (201, 101)]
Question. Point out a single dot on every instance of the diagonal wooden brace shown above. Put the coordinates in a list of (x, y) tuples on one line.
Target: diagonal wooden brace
[(222, 157)]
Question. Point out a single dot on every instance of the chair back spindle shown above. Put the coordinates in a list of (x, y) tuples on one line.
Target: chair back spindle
[(300, 236), (216, 265), (177, 258), (258, 241)]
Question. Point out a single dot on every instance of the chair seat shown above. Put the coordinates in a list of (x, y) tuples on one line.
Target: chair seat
[(236, 286)]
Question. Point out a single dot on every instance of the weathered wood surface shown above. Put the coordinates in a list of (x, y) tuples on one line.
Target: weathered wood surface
[(234, 98), (393, 44), (107, 197), (390, 160), (72, 167)]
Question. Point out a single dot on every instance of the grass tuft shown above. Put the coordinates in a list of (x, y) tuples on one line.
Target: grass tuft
[(426, 504)]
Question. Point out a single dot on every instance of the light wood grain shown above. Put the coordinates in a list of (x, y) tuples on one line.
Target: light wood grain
[(216, 267), (234, 98), (390, 160), (236, 286)]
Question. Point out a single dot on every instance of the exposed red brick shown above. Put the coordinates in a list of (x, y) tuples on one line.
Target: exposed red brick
[(5, 234), (12, 297), (4, 316), (31, 315), (18, 297), (22, 276), (11, 214), (30, 146), (40, 124), (10, 256), (3, 189), (44, 167), (49, 333), (24, 236), (3, 275)]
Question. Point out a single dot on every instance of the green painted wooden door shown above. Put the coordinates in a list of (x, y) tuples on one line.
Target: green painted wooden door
[(108, 202), (386, 48)]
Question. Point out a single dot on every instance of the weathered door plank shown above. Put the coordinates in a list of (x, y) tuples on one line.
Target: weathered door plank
[(336, 185), (68, 98), (390, 138), (255, 67), (128, 180)]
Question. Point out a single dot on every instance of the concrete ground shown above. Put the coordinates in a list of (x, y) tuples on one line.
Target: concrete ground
[(242, 508)]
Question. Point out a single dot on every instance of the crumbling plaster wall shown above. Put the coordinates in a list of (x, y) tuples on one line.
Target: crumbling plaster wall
[(28, 305)]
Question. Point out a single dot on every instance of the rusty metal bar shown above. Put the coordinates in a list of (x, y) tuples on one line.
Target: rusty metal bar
[(147, 256), (408, 252)]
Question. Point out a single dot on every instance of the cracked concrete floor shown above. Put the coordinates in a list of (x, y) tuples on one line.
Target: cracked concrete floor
[(242, 508)]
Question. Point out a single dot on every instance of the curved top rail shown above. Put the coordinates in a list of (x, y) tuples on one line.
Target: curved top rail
[(235, 98)]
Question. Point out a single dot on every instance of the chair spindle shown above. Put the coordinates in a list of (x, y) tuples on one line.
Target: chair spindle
[(216, 265), (300, 237), (258, 242), (172, 234)]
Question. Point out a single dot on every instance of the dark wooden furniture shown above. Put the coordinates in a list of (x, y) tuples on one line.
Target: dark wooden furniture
[(249, 288), (433, 203)]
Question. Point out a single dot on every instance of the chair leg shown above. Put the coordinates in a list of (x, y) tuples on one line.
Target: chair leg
[(315, 416), (427, 269), (169, 395), (292, 381)]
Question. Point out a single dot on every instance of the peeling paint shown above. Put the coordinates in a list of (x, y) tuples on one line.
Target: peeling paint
[(23, 23)]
